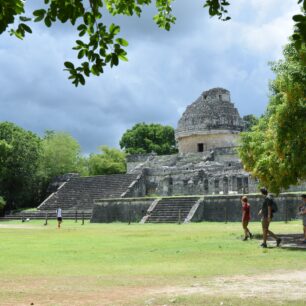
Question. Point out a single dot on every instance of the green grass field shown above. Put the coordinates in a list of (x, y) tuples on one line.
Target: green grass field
[(120, 264)]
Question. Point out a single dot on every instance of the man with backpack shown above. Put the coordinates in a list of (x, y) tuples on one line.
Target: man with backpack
[(268, 208)]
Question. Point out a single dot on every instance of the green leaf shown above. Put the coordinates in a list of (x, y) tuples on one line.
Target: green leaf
[(69, 65), (123, 58), (26, 28), (82, 33), (81, 54), (122, 42), (108, 58), (114, 29), (39, 18), (296, 36), (18, 35), (114, 60), (48, 22), (298, 18), (95, 70), (24, 18), (41, 12), (79, 42), (81, 27), (81, 79)]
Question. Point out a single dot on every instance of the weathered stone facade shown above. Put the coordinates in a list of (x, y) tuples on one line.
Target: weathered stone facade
[(215, 172), (210, 122), (207, 172), (220, 208), (207, 163)]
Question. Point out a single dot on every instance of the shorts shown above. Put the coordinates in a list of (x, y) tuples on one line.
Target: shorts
[(59, 219), (265, 223)]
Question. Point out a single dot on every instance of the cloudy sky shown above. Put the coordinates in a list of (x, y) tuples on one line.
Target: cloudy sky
[(166, 71)]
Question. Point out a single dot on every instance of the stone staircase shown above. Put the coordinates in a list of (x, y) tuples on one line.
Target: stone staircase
[(79, 193), (171, 210)]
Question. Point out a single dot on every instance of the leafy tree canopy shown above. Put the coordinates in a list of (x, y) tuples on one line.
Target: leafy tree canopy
[(274, 150), (98, 44), (249, 121), (60, 154), (109, 161), (147, 138), (19, 161)]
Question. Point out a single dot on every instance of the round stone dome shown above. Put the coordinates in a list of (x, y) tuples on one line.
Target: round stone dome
[(211, 114)]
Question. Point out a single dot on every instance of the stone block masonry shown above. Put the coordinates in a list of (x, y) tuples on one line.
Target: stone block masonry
[(219, 208), (228, 208), (210, 122), (120, 210)]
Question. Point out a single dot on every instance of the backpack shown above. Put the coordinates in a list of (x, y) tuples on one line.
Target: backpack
[(274, 205)]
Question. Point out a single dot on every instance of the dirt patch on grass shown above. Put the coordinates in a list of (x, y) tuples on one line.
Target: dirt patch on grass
[(275, 286), (63, 290)]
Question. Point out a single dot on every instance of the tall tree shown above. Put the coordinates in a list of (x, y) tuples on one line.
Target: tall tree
[(274, 150), (147, 138), (60, 154), (20, 152), (109, 161), (101, 46), (249, 121)]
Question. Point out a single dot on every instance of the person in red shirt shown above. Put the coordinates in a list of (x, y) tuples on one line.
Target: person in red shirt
[(246, 216)]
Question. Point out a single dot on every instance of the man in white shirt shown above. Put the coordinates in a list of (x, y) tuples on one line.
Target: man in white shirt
[(59, 217)]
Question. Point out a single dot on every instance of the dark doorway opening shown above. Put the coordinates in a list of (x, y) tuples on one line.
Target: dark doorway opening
[(200, 147)]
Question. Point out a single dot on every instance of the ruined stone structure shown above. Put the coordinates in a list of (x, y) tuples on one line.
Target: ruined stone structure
[(216, 172), (207, 136), (207, 163), (210, 122), (206, 173)]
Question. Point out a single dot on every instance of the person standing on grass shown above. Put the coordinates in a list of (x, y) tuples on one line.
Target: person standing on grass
[(302, 212), (59, 217), (246, 216), (266, 214)]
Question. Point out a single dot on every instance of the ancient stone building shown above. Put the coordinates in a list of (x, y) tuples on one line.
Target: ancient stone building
[(210, 122), (207, 174), (207, 136)]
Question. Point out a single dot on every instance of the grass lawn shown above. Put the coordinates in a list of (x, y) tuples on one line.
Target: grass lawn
[(120, 264)]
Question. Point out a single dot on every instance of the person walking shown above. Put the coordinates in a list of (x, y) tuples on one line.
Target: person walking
[(246, 216), (302, 213), (266, 213), (59, 217)]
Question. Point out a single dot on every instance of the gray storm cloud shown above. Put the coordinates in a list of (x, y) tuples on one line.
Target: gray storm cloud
[(166, 71)]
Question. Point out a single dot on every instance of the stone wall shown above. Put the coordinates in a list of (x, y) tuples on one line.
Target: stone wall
[(197, 182), (137, 160), (221, 208), (216, 172), (210, 140), (228, 208), (120, 210), (137, 188)]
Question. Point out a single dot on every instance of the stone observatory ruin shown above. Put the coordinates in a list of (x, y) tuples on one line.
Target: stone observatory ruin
[(210, 122), (202, 182), (207, 163)]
